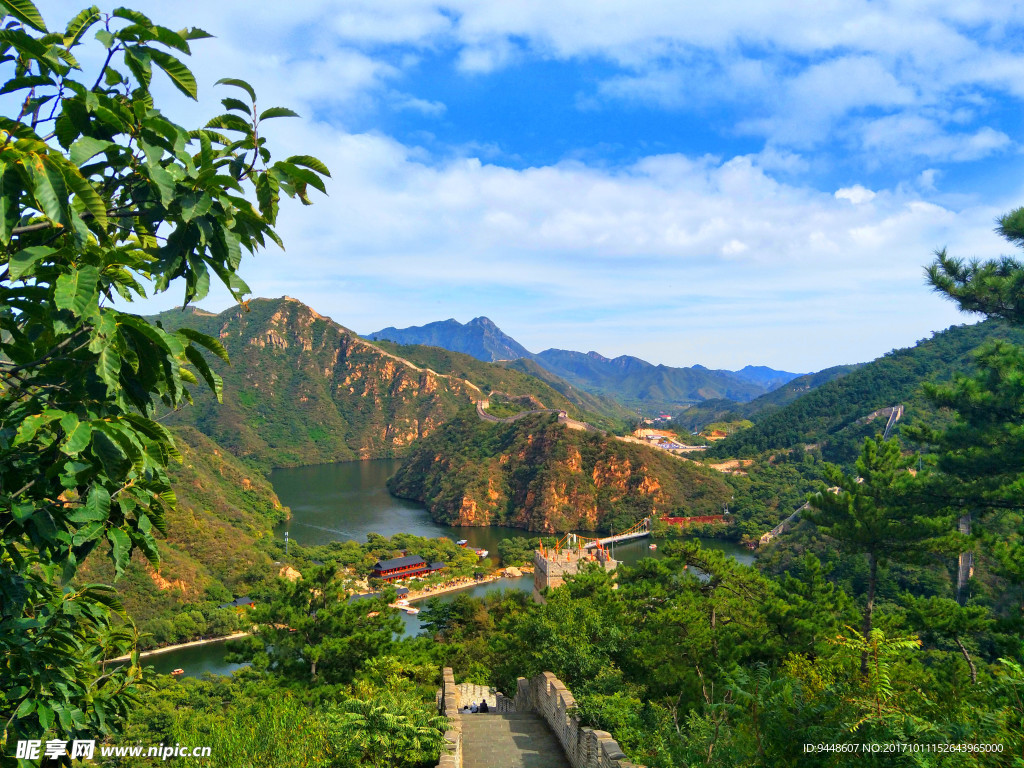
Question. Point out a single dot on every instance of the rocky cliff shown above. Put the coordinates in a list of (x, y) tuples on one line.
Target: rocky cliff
[(539, 475), (302, 389)]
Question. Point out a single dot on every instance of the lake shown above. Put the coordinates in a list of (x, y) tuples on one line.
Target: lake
[(348, 500)]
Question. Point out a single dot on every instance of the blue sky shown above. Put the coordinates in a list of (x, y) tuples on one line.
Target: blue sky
[(741, 183)]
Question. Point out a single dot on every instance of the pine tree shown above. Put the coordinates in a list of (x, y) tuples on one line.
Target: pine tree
[(871, 513)]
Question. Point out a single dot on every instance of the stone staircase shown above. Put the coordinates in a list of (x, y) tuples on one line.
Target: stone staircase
[(469, 693), (535, 729), (509, 741)]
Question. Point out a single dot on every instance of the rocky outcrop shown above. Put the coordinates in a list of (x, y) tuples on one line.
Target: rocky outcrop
[(538, 475)]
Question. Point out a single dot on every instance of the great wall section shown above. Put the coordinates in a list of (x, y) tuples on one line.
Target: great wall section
[(534, 729)]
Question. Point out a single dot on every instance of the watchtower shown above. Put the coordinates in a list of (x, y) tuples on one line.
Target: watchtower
[(553, 564)]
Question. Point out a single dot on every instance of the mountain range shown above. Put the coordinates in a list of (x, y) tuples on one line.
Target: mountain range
[(633, 382)]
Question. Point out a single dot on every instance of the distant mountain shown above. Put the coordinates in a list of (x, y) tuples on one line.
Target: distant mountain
[(767, 377), (637, 383), (480, 337), (697, 416), (838, 415), (631, 381), (303, 389)]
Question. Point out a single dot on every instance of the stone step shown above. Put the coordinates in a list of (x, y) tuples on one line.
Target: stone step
[(519, 740)]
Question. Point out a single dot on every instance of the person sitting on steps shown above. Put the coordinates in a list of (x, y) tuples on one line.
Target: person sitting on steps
[(474, 708), (484, 707)]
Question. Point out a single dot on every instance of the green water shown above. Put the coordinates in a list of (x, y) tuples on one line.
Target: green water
[(348, 500)]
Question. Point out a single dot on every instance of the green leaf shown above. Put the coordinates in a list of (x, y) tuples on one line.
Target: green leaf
[(77, 290), (195, 204), (309, 162), (194, 33), (215, 382), (32, 424), (23, 262), (79, 25), (25, 12), (232, 103), (87, 148), (133, 16), (230, 122), (300, 174), (96, 507), (205, 341), (122, 546), (108, 366), (277, 112), (19, 83), (238, 84), (87, 195), (180, 75), (78, 440), (49, 189)]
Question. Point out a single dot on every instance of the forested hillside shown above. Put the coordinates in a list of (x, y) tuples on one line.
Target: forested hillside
[(518, 377), (303, 389), (837, 416), (540, 475), (700, 414), (213, 547)]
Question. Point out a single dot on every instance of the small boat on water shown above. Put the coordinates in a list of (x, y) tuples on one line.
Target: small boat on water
[(402, 603), (178, 672), (482, 553), (462, 542), (652, 546), (411, 610)]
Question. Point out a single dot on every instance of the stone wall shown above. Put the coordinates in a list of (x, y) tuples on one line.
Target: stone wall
[(584, 747), (449, 702), (551, 568)]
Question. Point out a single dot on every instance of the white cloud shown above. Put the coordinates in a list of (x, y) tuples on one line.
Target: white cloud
[(677, 258), (855, 194)]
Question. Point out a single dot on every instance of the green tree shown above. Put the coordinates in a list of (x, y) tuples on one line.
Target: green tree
[(980, 455), (312, 631), (870, 513), (100, 196)]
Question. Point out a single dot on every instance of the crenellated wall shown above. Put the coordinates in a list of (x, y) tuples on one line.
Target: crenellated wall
[(448, 704), (584, 747)]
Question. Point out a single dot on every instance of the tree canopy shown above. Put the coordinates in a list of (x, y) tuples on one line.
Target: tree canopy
[(103, 198)]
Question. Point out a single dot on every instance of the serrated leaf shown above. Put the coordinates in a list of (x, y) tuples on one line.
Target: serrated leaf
[(230, 122), (194, 33), (77, 440), (32, 424), (180, 75), (79, 25), (108, 366), (19, 83), (87, 148), (304, 175), (203, 340), (121, 548), (232, 103), (87, 194), (277, 112), (77, 290), (238, 84), (215, 382), (25, 12), (309, 162), (23, 263), (133, 16)]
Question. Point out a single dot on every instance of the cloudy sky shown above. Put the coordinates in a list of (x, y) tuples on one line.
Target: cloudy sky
[(724, 183)]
